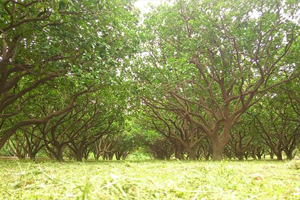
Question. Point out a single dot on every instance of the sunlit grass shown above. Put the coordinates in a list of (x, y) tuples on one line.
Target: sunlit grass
[(150, 180)]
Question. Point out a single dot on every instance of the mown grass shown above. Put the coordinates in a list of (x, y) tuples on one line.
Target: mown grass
[(150, 180)]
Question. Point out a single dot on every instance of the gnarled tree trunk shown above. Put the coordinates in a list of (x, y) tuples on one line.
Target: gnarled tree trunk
[(219, 143)]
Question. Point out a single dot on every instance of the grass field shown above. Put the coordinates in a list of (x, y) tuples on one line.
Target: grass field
[(150, 180)]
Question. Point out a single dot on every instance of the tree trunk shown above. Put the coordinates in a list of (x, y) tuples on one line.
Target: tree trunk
[(32, 156), (253, 153), (246, 154), (240, 156), (59, 155), (279, 155), (110, 156), (192, 153), (259, 152), (86, 155), (271, 154), (217, 152), (179, 154), (79, 155), (178, 151), (118, 156), (219, 142), (206, 152), (289, 155), (219, 145), (239, 151), (259, 156)]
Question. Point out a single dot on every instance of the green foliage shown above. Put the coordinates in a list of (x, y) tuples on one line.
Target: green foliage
[(6, 151), (207, 62), (189, 72), (57, 49)]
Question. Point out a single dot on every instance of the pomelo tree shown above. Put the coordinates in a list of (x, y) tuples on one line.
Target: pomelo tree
[(209, 61)]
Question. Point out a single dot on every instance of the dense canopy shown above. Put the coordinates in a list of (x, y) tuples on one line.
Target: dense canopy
[(189, 80)]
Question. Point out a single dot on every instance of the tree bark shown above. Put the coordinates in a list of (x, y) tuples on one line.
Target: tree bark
[(218, 151), (259, 156), (192, 153), (289, 155), (110, 156), (79, 155), (279, 155), (59, 155), (32, 156), (220, 143), (118, 157), (179, 152), (246, 154), (271, 154), (239, 151)]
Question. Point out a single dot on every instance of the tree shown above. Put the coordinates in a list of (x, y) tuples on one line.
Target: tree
[(33, 144), (217, 59), (275, 126), (242, 136), (45, 40), (176, 130)]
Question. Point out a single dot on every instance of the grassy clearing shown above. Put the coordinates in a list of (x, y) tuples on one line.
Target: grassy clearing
[(150, 180)]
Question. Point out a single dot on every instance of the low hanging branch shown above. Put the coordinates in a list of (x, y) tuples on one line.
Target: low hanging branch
[(7, 134)]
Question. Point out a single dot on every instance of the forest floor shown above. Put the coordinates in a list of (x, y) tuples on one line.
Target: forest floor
[(150, 180)]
